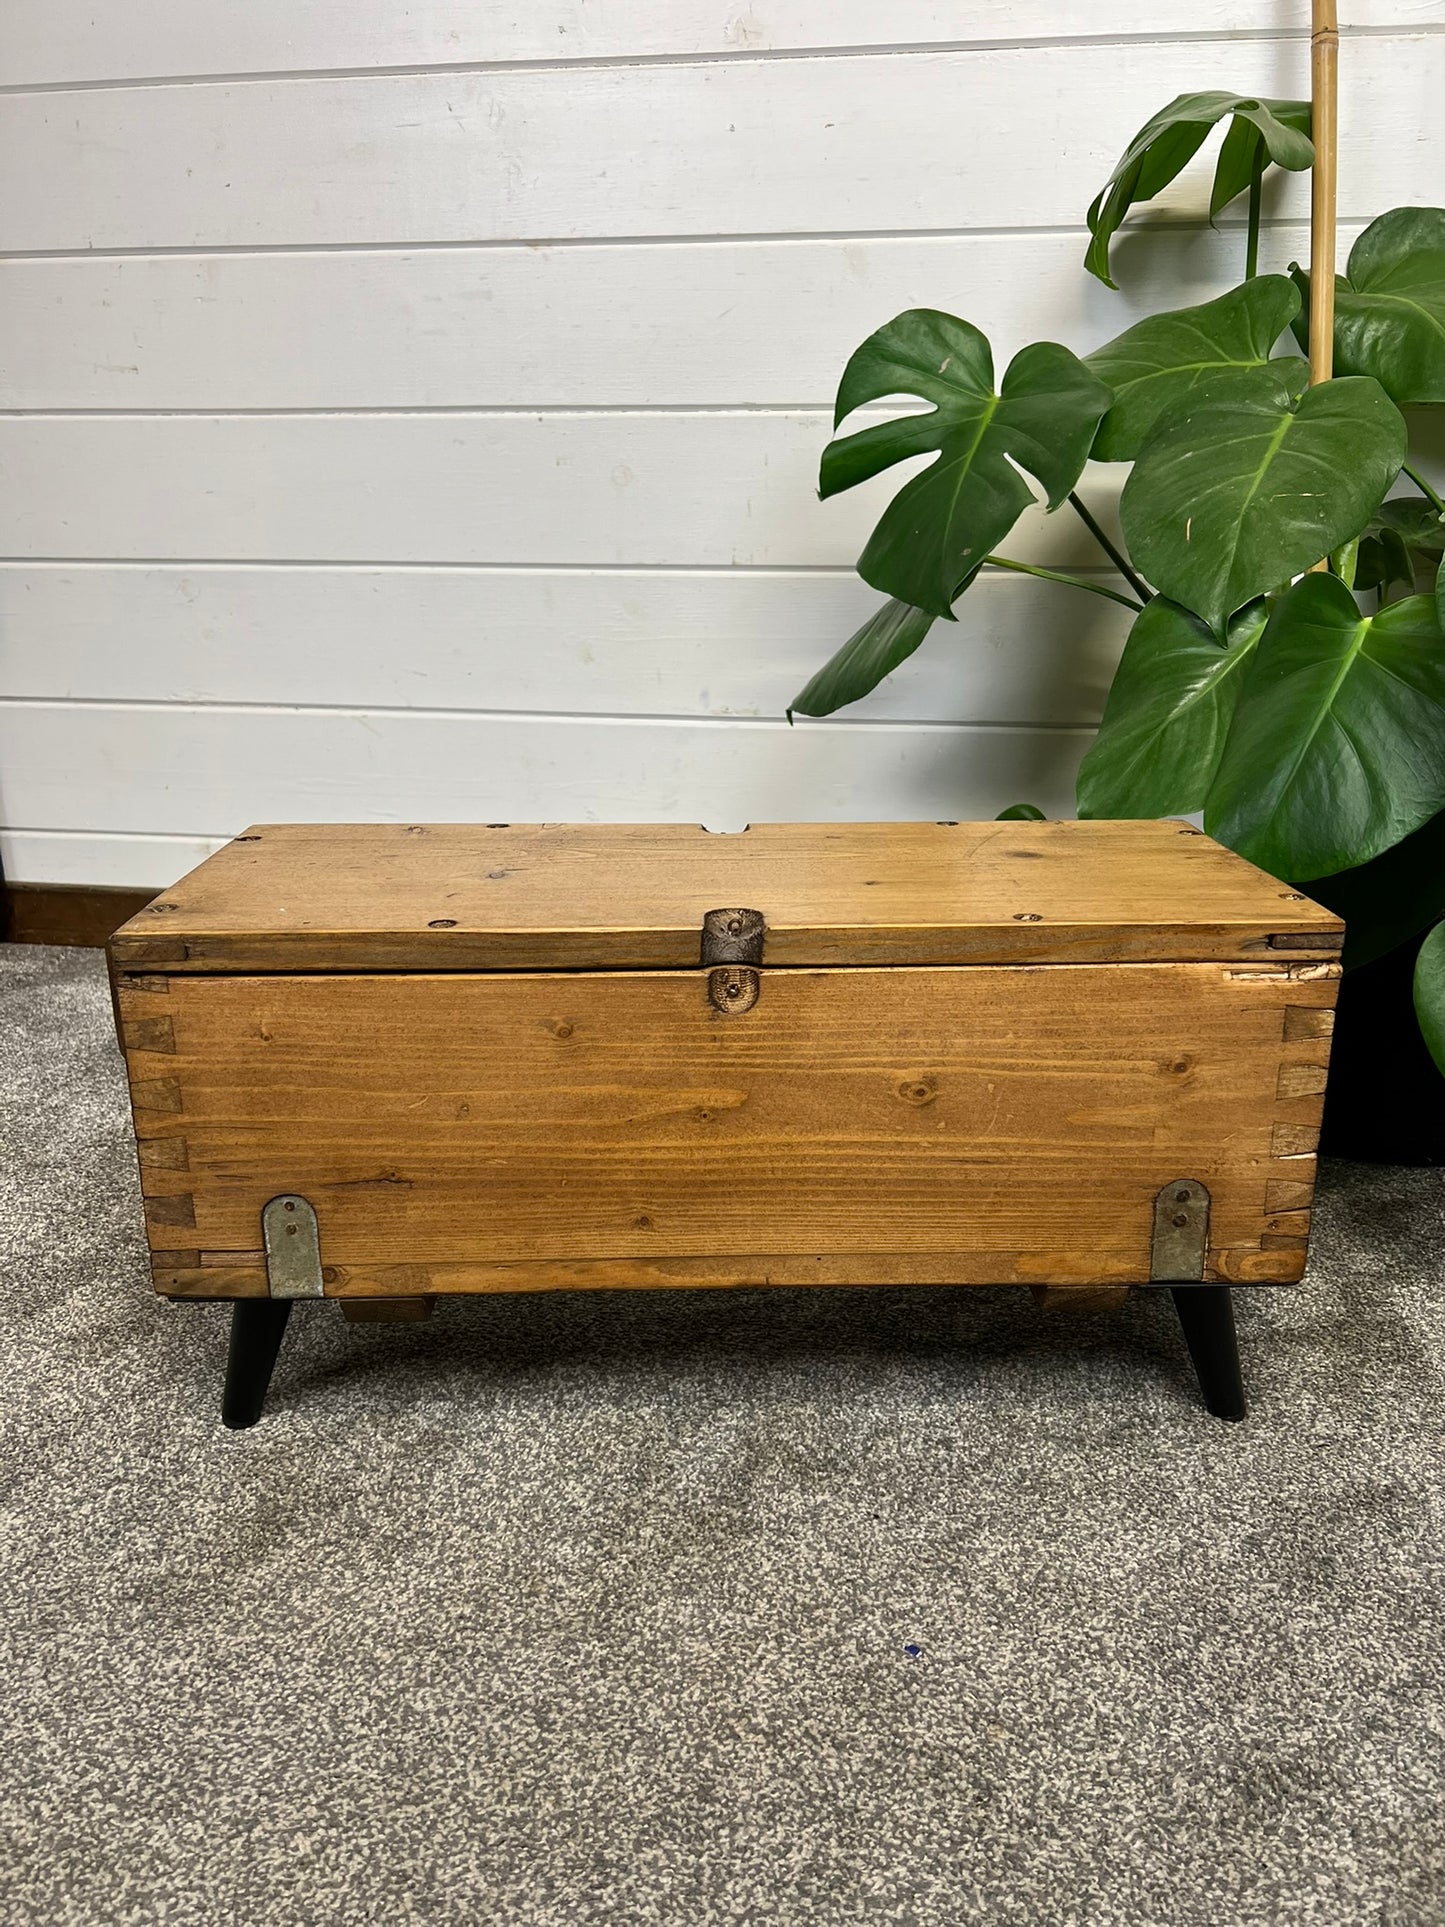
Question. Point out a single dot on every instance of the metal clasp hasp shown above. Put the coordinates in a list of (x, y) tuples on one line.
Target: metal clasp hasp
[(732, 943)]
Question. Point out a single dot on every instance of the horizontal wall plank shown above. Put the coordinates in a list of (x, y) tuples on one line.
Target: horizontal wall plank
[(997, 138), (55, 41), (655, 489), (716, 643), (694, 324), (208, 772), (100, 858)]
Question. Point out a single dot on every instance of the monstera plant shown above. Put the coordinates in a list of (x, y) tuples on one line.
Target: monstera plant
[(1280, 559)]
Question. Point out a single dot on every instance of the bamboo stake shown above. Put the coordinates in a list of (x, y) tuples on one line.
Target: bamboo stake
[(1324, 130)]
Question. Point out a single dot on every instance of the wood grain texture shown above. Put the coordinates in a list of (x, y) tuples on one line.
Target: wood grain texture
[(52, 42), (520, 1132), (84, 916), (1050, 1298), (387, 1311), (633, 896), (843, 144)]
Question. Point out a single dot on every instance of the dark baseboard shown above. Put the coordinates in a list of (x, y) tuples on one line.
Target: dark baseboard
[(73, 913)]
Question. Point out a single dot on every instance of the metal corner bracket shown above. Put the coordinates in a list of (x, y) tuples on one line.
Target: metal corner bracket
[(1181, 1233), (293, 1248)]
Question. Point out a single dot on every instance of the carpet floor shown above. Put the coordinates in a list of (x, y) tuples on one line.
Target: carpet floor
[(906, 1606)]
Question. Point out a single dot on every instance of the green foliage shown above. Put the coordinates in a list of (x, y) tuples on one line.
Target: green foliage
[(1390, 305), (1430, 992), (1021, 813), (1301, 709), (888, 637), (1165, 359), (1337, 746), (937, 531), (1390, 899), (1399, 541), (1231, 496), (1419, 525), (1260, 131), (1168, 713)]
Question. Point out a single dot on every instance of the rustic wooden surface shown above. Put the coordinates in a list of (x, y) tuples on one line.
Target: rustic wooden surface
[(387, 1311), (974, 1125), (470, 897), (70, 913)]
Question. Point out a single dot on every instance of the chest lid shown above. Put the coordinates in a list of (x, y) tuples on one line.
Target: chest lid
[(452, 896)]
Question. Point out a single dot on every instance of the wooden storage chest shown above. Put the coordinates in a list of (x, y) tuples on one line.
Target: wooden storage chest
[(379, 1063)]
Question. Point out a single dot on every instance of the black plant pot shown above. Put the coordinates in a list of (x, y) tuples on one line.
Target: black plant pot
[(1385, 1103)]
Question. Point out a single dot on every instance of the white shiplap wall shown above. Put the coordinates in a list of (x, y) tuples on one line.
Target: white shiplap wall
[(413, 411)]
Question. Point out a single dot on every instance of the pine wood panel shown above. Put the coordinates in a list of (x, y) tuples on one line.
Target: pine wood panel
[(734, 644), (511, 1132), (467, 896), (690, 324), (840, 144), (732, 488), (100, 858), (148, 768), (66, 914), (50, 42)]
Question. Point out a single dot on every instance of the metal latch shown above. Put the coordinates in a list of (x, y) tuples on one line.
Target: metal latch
[(732, 944), (293, 1248)]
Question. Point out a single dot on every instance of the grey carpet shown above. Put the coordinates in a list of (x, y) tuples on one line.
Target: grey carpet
[(905, 1606)]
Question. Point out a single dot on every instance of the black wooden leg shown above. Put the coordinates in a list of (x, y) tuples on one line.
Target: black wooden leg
[(1207, 1315), (256, 1328)]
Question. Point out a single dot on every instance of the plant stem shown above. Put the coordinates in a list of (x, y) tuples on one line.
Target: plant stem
[(1251, 244), (1424, 487), (1140, 588), (1052, 575)]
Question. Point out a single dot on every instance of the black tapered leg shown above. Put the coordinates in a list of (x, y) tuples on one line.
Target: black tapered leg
[(256, 1328), (1207, 1315)]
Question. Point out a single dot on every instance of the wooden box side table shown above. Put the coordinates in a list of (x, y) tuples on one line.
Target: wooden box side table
[(380, 1063)]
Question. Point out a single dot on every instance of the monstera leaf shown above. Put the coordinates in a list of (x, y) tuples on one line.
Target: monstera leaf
[(1337, 748), (1260, 131), (942, 523), (1232, 496), (1430, 992), (1390, 305), (1382, 561), (1164, 359), (1401, 539), (1419, 524), (888, 637), (1390, 899), (1168, 713)]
